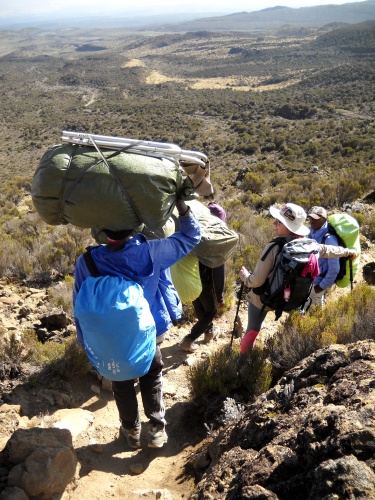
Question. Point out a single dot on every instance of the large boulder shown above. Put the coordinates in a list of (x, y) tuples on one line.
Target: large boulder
[(42, 462)]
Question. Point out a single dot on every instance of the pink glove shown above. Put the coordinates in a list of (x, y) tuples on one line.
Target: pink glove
[(248, 341)]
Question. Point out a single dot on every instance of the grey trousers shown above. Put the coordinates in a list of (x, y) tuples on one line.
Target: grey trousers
[(255, 318), (315, 299)]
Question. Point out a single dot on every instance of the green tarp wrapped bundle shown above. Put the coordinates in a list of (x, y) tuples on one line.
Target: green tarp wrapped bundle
[(74, 185)]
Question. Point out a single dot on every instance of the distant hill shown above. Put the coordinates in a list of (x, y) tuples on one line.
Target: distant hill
[(267, 19), (360, 35), (103, 22), (275, 17)]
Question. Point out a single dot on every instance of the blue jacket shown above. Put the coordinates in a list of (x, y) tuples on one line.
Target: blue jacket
[(329, 268), (147, 263)]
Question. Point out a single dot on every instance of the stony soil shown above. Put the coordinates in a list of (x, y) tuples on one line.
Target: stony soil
[(109, 469)]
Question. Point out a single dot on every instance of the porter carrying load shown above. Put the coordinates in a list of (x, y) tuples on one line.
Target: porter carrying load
[(218, 241), (115, 183)]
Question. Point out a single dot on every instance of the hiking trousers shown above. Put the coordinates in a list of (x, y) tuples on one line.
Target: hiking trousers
[(151, 389), (205, 308), (315, 299), (255, 317)]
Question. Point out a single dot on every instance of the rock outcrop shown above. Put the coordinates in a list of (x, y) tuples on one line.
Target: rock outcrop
[(369, 273), (312, 436), (41, 463)]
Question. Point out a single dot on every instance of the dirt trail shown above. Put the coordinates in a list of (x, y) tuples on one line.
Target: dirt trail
[(107, 469), (112, 469)]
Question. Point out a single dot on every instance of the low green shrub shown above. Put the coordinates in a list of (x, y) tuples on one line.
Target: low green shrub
[(359, 217), (51, 360), (12, 350), (227, 374), (348, 319), (368, 227), (66, 360), (60, 294)]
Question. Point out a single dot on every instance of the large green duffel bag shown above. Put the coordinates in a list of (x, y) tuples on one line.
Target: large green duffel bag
[(218, 242), (347, 228), (73, 185)]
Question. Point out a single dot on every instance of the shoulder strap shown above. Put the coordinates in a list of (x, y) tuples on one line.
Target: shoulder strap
[(277, 241), (90, 263), (325, 236), (332, 232)]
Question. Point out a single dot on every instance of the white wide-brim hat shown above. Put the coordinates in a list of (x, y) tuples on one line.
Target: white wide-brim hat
[(292, 216)]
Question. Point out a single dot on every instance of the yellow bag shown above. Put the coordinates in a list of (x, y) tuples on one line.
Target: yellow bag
[(186, 278)]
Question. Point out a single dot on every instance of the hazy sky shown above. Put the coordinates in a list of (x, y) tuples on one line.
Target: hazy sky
[(70, 8)]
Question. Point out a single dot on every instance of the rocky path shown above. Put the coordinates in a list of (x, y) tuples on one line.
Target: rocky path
[(108, 468)]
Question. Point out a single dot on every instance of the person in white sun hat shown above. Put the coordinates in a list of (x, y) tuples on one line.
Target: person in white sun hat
[(292, 217), (289, 224)]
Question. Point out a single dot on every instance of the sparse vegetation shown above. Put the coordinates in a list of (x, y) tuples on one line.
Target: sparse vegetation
[(282, 118), (64, 361), (226, 374), (347, 320), (60, 294)]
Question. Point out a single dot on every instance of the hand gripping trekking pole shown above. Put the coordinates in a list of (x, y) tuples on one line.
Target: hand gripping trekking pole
[(236, 316)]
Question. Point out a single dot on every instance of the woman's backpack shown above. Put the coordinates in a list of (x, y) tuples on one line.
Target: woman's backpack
[(346, 229), (118, 328), (289, 284)]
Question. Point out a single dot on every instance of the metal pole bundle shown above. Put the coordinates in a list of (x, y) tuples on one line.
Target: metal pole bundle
[(148, 148)]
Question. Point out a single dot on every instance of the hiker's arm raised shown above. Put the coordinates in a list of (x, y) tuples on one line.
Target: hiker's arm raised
[(182, 208), (167, 251), (330, 251)]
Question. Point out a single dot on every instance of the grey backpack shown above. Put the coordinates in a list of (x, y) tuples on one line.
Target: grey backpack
[(289, 284)]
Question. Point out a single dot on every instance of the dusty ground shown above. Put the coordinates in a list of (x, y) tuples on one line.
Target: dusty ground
[(109, 469), (109, 474)]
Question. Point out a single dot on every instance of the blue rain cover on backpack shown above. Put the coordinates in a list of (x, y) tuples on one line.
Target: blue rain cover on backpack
[(118, 328)]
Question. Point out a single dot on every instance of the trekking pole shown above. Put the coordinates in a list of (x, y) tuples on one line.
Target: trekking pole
[(238, 308), (351, 274)]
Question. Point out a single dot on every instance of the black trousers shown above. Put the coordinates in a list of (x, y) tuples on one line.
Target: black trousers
[(205, 307), (151, 388)]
